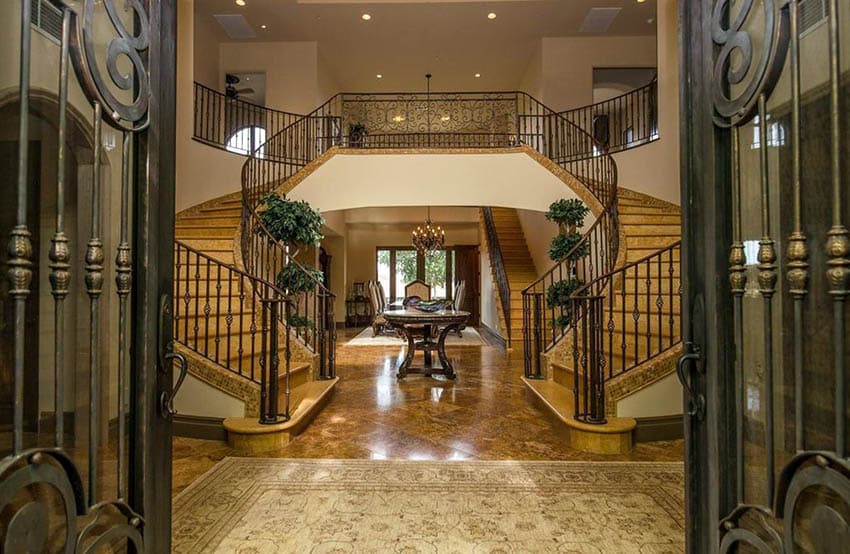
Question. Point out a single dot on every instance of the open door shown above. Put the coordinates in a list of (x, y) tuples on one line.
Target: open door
[(766, 134), (85, 455)]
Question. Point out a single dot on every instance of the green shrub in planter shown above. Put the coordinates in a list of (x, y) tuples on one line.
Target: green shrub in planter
[(558, 294), (297, 279), (568, 212), (301, 321), (292, 222), (564, 244), (563, 320)]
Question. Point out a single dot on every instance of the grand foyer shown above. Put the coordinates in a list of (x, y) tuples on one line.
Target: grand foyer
[(211, 328)]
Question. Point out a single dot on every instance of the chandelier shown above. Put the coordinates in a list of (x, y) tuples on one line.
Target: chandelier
[(428, 238)]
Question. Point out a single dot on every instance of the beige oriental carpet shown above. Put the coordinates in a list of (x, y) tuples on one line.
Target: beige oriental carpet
[(260, 506)]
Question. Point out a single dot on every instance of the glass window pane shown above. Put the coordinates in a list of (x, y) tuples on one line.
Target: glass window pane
[(435, 273), (384, 270), (405, 270)]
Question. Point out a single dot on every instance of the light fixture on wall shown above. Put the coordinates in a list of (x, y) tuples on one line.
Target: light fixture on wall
[(428, 238)]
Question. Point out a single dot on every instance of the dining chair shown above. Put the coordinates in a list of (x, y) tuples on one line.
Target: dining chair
[(379, 322), (460, 297), (419, 288)]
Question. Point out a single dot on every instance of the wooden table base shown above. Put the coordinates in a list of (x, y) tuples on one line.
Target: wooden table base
[(427, 346)]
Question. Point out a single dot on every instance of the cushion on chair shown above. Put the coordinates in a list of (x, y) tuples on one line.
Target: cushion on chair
[(418, 288)]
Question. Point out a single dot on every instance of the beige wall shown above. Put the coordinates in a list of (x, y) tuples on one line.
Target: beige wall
[(206, 40), (654, 168), (566, 82), (351, 181), (291, 69), (532, 80), (538, 232), (568, 64)]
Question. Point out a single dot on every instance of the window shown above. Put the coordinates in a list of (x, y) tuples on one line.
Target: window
[(395, 267), (247, 140), (775, 134)]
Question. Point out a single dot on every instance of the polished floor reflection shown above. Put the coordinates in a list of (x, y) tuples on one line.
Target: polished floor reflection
[(486, 414)]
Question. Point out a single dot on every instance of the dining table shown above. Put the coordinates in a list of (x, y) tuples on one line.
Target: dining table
[(418, 327)]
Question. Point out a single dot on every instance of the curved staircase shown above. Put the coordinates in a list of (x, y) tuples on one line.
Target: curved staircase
[(223, 252)]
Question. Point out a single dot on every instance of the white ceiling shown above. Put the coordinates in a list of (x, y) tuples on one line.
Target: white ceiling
[(405, 39)]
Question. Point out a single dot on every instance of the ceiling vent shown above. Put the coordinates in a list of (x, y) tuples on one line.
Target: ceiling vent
[(236, 26), (598, 20)]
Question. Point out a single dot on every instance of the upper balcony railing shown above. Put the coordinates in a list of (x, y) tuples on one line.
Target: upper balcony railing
[(233, 124), (622, 122)]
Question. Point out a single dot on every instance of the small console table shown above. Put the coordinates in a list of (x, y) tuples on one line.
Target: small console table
[(358, 312)]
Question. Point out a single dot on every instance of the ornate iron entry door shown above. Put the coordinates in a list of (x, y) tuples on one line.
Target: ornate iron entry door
[(766, 137), (85, 450)]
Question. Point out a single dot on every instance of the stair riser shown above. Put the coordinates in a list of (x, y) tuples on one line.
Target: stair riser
[(181, 232), (650, 219), (210, 220), (654, 243)]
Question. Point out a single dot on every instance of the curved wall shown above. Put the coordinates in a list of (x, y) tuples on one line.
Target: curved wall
[(512, 180)]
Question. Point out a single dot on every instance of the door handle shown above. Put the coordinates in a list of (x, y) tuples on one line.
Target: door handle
[(167, 354), (684, 370), (166, 399)]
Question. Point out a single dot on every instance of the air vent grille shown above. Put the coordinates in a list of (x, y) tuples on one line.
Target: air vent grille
[(47, 18), (236, 26), (812, 14), (598, 20)]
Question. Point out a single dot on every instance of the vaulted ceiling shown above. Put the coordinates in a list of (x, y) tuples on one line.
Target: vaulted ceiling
[(404, 39)]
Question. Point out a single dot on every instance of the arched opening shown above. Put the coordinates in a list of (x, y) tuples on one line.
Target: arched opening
[(246, 140)]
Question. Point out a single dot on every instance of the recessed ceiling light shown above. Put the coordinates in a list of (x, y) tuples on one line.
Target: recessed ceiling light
[(365, 17), (240, 2), (477, 75), (264, 26), (491, 15), (379, 76), (641, 1)]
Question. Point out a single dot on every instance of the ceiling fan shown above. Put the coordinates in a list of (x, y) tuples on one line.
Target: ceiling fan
[(230, 89)]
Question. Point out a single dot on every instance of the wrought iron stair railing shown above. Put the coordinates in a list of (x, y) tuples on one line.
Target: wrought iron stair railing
[(232, 319), (497, 261), (623, 319), (643, 295)]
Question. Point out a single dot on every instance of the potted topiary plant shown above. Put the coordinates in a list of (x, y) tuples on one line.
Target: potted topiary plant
[(563, 245), (568, 214), (292, 222), (558, 297), (297, 225), (356, 133)]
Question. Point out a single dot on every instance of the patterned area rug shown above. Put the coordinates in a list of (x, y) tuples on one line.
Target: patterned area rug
[(364, 338), (259, 506)]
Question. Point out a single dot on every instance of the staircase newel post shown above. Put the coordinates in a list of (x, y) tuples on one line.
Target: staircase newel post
[(538, 338), (287, 354), (264, 392), (596, 370), (274, 385)]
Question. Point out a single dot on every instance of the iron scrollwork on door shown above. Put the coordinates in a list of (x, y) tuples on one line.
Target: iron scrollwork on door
[(32, 479), (804, 505)]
